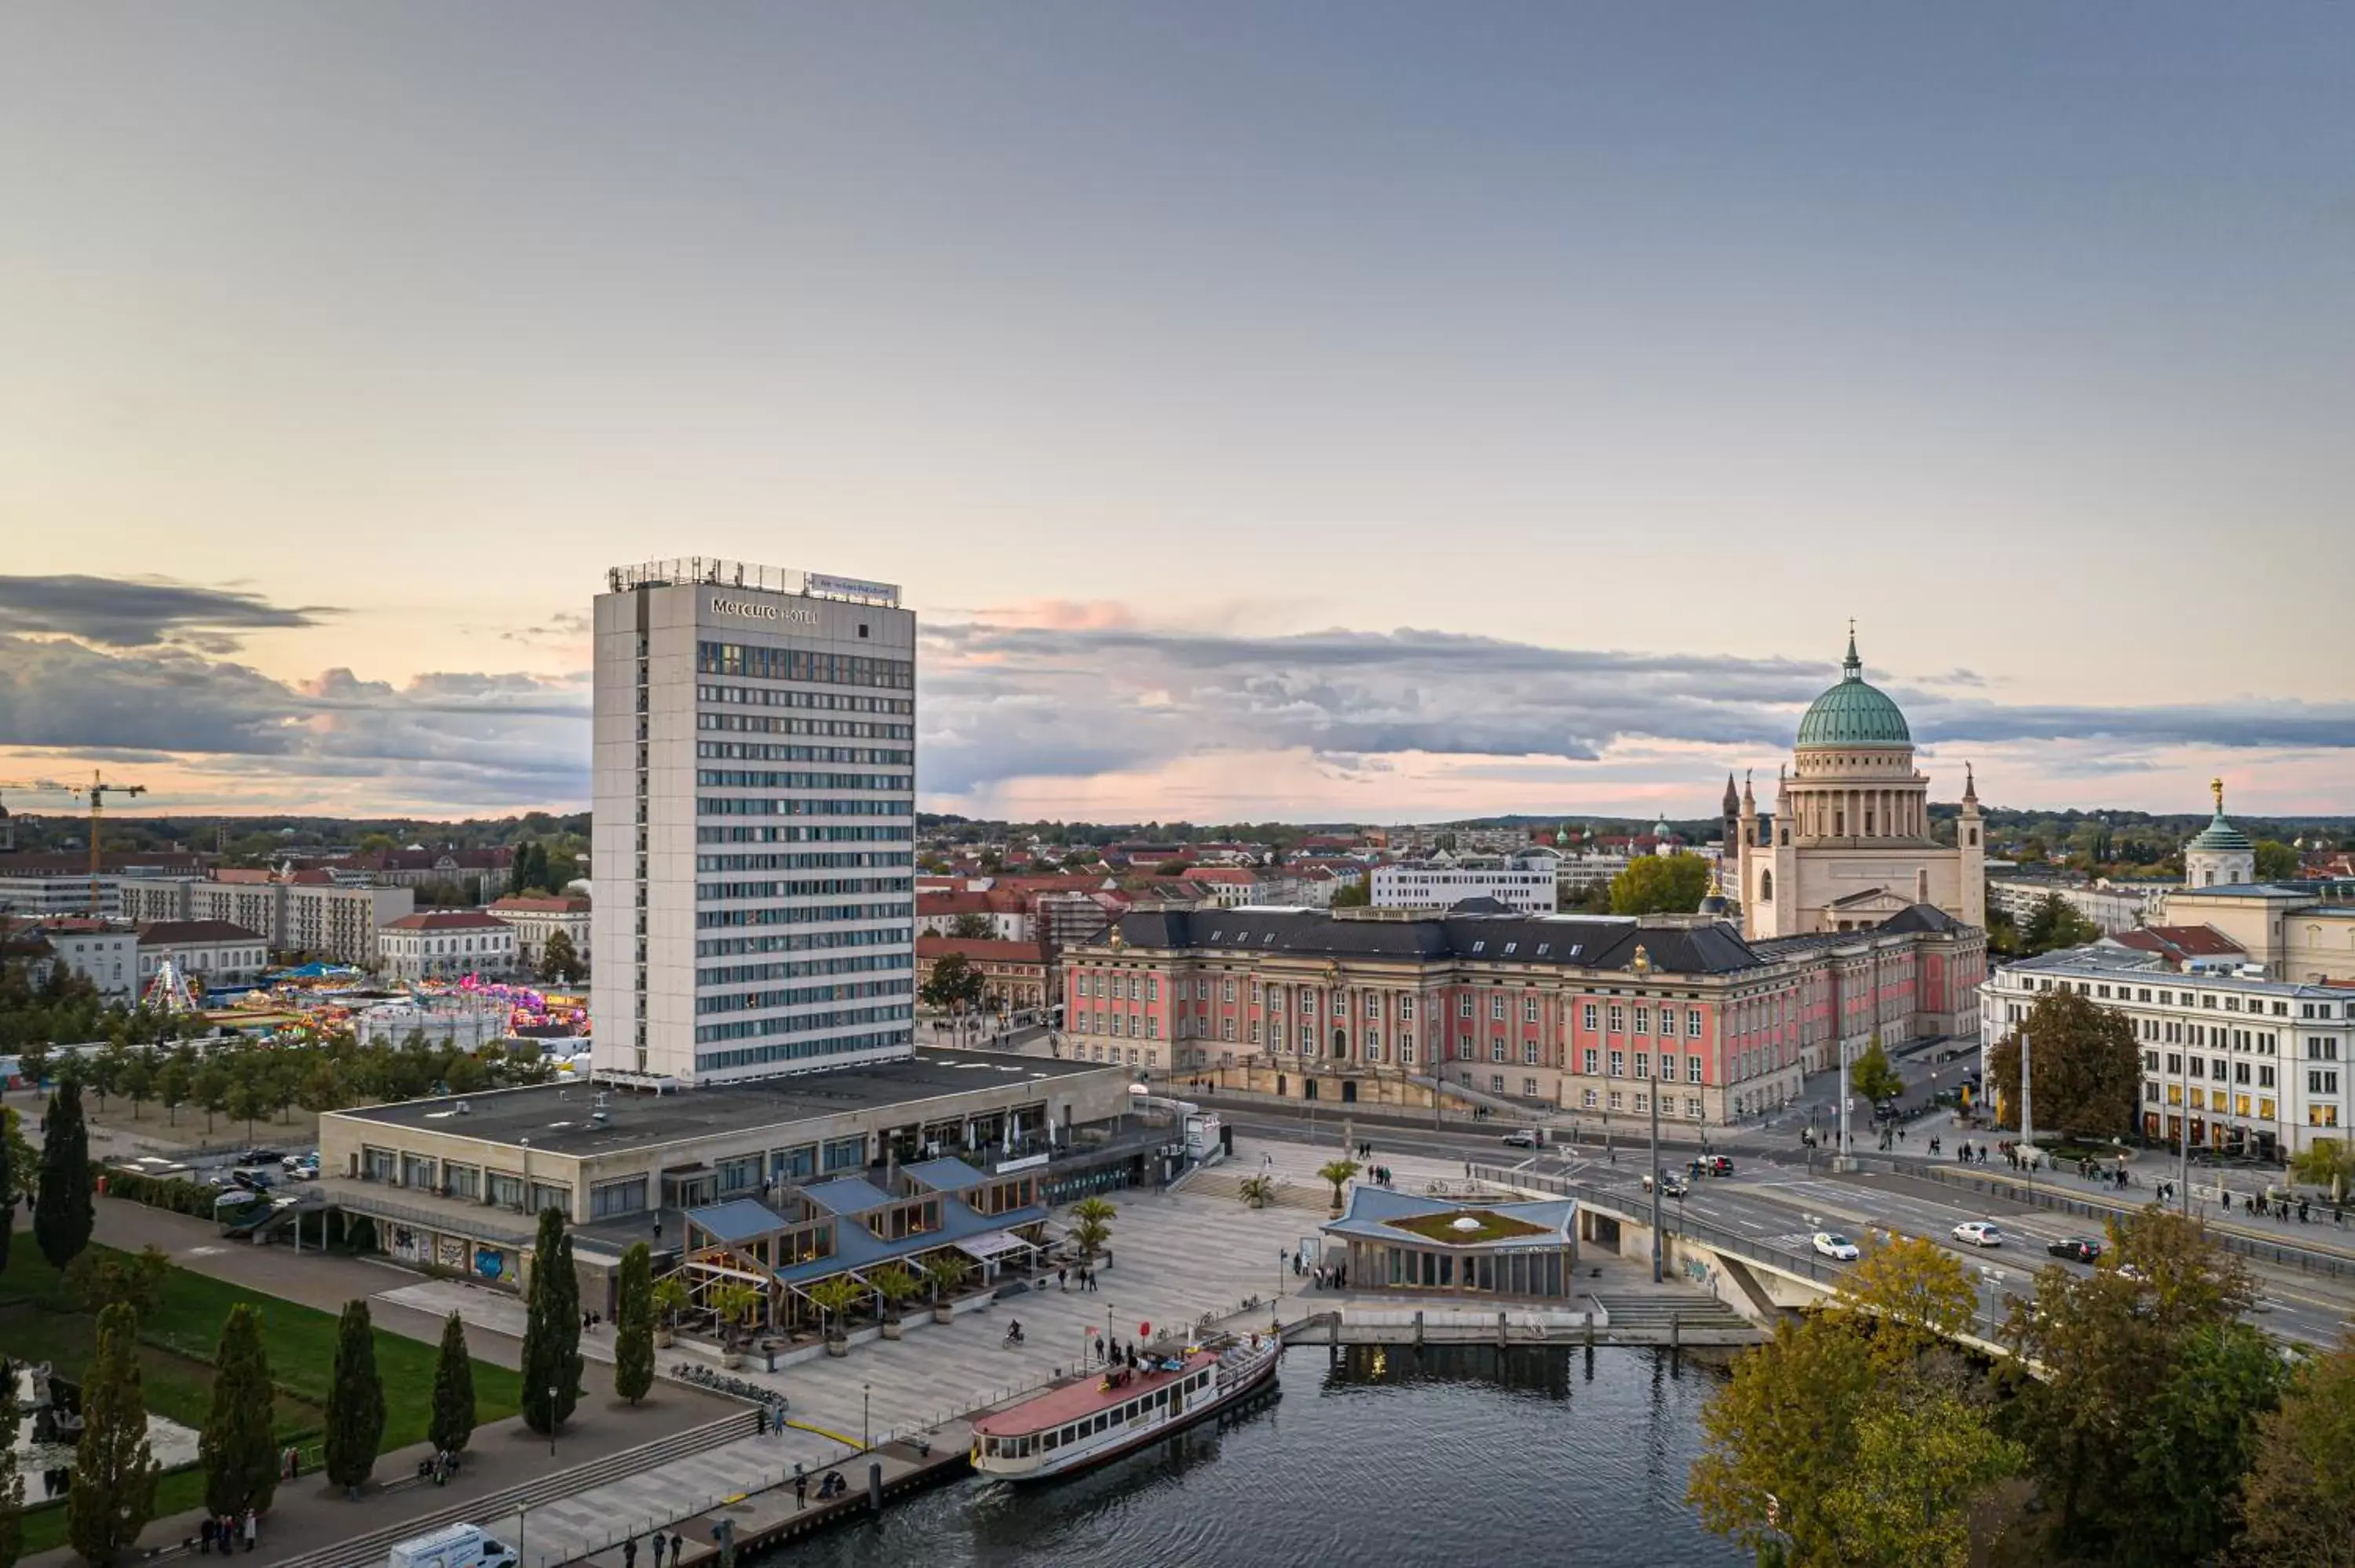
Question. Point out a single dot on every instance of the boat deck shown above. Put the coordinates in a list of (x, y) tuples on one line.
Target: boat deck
[(1080, 1397)]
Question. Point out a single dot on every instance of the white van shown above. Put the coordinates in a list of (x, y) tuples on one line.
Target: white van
[(453, 1546)]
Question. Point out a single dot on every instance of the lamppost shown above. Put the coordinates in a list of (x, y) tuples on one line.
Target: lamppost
[(552, 1422), (1642, 965), (2183, 1137), (1283, 1255), (865, 1397)]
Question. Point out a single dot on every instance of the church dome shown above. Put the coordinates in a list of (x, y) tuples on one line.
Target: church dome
[(2220, 834), (1853, 712)]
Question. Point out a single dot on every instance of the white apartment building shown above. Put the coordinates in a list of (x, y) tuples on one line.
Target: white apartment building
[(1523, 882), (754, 797), (446, 944), (535, 919), (309, 913), (2113, 906), (2257, 1065)]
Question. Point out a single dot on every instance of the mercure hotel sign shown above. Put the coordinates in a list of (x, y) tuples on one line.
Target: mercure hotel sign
[(764, 609)]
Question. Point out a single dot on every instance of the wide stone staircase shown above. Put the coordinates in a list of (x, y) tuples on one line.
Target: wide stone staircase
[(1629, 1311), (374, 1546), (1292, 1192)]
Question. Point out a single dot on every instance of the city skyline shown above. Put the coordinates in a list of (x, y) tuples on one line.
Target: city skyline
[(1406, 422)]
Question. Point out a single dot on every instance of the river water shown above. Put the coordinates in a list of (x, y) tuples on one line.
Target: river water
[(1458, 1456)]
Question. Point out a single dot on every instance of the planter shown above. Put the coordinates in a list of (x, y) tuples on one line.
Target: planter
[(838, 1347), (890, 1327), (663, 1338), (732, 1357), (944, 1313)]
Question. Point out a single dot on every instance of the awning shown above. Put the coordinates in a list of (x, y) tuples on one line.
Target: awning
[(992, 1244)]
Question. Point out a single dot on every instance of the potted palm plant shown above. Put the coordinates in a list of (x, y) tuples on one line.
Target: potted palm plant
[(1257, 1192), (836, 1299), (670, 1299), (1091, 1227), (739, 1305), (895, 1283), (1338, 1172), (944, 1271)]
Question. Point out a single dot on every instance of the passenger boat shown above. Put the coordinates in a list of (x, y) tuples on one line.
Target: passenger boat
[(1085, 1421)]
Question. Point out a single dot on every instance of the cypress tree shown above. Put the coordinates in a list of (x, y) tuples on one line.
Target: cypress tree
[(453, 1422), (7, 1210), (634, 1335), (12, 1503), (551, 1331), (355, 1401), (239, 1447), (114, 1492), (63, 1213)]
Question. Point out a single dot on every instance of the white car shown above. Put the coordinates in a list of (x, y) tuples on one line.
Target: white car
[(1978, 1233), (1832, 1245)]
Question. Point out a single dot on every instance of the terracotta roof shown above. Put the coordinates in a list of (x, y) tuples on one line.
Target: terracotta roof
[(447, 920), (240, 875), (952, 904), (981, 949), (545, 905), (161, 933), (2184, 941)]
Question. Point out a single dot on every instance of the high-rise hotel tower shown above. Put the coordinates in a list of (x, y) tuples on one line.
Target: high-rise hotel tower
[(755, 836)]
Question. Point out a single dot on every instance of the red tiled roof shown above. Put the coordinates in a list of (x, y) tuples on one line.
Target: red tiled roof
[(159, 933), (447, 920), (545, 905), (981, 949)]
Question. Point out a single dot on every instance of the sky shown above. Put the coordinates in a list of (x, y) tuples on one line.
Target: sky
[(1305, 411)]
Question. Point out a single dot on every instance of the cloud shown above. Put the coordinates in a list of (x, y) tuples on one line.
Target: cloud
[(143, 612)]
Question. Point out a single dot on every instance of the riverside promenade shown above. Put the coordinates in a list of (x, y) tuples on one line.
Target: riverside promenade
[(1174, 1258)]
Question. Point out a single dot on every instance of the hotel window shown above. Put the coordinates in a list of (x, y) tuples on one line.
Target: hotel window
[(1152, 1030), (1667, 1068), (1586, 1018), (1497, 1049), (1528, 1053), (1226, 1029), (1643, 1064), (1406, 1048), (1254, 993), (1692, 1069), (1496, 1009), (1618, 1064), (1643, 1021), (1307, 1001), (1619, 1019), (1463, 1007), (1373, 1004), (1692, 1023), (1153, 989), (1274, 1037), (1587, 1059), (1406, 1009), (1529, 1010)]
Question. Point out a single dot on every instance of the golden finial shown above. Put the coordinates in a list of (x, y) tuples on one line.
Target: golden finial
[(1642, 962), (2216, 787)]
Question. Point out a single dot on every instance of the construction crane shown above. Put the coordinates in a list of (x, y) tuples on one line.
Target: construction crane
[(95, 793)]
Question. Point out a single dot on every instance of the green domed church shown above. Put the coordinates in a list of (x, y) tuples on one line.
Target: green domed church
[(1849, 845)]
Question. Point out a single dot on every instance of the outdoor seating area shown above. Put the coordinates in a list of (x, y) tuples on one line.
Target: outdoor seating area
[(809, 1260)]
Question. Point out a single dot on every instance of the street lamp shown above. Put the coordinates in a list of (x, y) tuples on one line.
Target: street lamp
[(1642, 965), (866, 1394), (551, 1421), (1281, 1256)]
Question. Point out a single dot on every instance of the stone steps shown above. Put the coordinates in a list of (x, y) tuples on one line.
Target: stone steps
[(1654, 1312), (373, 1547), (1291, 1192)]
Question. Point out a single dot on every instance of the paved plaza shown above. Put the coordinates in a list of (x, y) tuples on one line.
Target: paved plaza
[(1174, 1258)]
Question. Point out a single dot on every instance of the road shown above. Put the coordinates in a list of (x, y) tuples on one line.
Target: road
[(1779, 1201)]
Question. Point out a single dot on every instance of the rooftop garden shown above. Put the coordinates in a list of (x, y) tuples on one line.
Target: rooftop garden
[(1487, 1225)]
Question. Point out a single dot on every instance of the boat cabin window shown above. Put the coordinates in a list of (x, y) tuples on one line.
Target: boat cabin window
[(1054, 1440)]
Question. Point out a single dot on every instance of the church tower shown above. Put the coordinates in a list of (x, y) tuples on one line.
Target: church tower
[(1970, 843), (2221, 855)]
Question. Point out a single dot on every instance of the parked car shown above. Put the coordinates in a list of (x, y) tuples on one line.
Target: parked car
[(1979, 1233), (1671, 1184), (260, 1157), (2077, 1249), (1831, 1244), (291, 1161), (253, 1180), (1520, 1138)]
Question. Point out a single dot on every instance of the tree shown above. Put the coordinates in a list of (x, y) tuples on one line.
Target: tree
[(1871, 1076), (64, 1211), (972, 926), (1920, 1464), (1257, 1192), (2197, 1439), (96, 1281), (1916, 1289), (1660, 885), (8, 1168), (238, 1446), (551, 1334), (558, 962), (2087, 1069), (2298, 1498), (737, 1304), (452, 1424), (943, 1272), (209, 1088), (2276, 862), (1338, 1172), (355, 1402), (954, 986), (12, 1506), (2055, 923), (1091, 1227), (114, 1493), (2328, 1162), (1779, 1440), (633, 1337), (1359, 894), (836, 1299), (894, 1282), (671, 1298), (138, 1078), (174, 1085)]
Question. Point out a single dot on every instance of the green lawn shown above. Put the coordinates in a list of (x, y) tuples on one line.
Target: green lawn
[(1487, 1227), (38, 1323)]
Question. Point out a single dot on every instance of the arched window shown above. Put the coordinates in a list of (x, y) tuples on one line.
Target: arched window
[(1340, 1044), (1765, 887)]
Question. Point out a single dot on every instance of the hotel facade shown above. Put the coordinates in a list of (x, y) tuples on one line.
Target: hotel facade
[(754, 796)]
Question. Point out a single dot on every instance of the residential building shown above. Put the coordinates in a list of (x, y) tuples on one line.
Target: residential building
[(753, 784), (38, 884), (2302, 930), (1066, 919), (104, 952), (446, 944), (2186, 950), (1566, 1011), (2256, 1066), (938, 913), (204, 952), (536, 918), (1523, 882), (1852, 844), (306, 912), (2111, 907), (480, 872), (1016, 976)]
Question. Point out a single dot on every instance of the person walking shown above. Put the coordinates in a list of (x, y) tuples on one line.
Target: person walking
[(1062, 1279), (677, 1545), (801, 1489), (630, 1552), (204, 1530), (252, 1529)]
